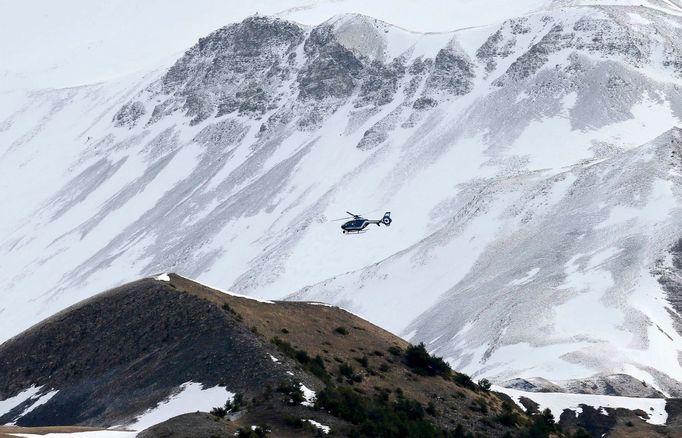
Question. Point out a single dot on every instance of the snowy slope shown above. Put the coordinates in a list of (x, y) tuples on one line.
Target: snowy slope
[(531, 168)]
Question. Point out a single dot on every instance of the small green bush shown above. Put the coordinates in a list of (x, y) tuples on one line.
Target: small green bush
[(226, 307), (484, 384), (235, 404), (256, 432), (341, 330), (364, 361), (543, 425), (431, 409), (507, 417), (302, 357), (378, 416), (293, 390), (479, 405), (346, 370), (417, 358), (219, 412), (314, 365), (395, 350), (463, 380)]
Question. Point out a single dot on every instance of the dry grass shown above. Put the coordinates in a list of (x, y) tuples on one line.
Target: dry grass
[(9, 431), (313, 328)]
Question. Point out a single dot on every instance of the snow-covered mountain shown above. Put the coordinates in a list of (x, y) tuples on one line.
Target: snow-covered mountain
[(532, 168)]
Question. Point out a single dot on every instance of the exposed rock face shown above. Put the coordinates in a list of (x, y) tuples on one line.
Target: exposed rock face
[(237, 68), (248, 68), (129, 114), (332, 70), (452, 73)]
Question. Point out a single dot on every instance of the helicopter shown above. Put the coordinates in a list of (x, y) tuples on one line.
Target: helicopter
[(358, 223)]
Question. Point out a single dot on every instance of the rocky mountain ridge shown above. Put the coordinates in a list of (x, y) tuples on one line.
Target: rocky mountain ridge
[(141, 354)]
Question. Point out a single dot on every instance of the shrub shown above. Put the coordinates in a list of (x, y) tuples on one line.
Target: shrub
[(479, 405), (285, 347), (395, 350), (235, 404), (302, 357), (226, 307), (295, 422), (417, 358), (463, 380), (543, 425), (256, 432), (364, 361), (378, 416), (293, 390), (484, 384), (341, 330), (346, 370), (219, 412), (507, 417), (315, 366), (431, 409)]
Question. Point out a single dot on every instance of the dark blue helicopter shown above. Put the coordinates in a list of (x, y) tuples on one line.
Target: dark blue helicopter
[(359, 223)]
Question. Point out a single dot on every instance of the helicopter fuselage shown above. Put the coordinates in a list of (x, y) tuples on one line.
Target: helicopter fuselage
[(358, 224)]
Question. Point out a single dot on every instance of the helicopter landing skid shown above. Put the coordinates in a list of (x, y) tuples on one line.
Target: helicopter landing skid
[(355, 232)]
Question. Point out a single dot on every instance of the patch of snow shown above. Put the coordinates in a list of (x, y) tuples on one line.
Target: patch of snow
[(10, 403), (558, 401), (41, 401), (274, 359), (191, 397), (162, 277), (316, 303), (309, 396), (320, 426)]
